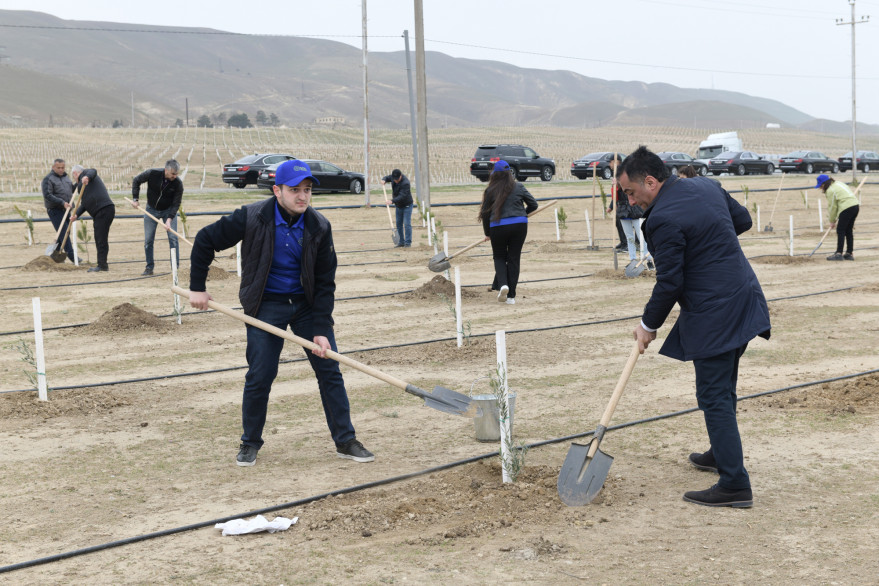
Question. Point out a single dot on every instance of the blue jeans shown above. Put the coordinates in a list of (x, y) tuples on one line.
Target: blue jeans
[(263, 353), (632, 229), (149, 234), (716, 379), (404, 225), (55, 215)]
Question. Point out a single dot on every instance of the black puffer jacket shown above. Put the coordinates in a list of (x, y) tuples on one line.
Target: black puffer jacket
[(626, 211), (57, 190), (95, 197), (254, 226), (519, 203), (402, 191)]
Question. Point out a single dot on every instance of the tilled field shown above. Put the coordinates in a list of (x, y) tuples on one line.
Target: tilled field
[(146, 441)]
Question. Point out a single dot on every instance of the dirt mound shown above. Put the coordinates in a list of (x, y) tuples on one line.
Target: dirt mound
[(438, 286), (474, 350), (45, 263), (784, 260), (551, 247), (856, 395), (621, 274), (68, 402), (467, 501), (126, 318), (214, 274)]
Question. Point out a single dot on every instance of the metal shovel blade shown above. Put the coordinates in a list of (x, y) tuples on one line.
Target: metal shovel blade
[(395, 236), (450, 401), (439, 263), (59, 256), (633, 269), (581, 477)]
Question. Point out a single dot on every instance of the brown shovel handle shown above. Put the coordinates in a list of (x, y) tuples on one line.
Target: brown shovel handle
[(617, 393), (481, 240), (70, 224), (158, 221), (340, 358), (387, 206)]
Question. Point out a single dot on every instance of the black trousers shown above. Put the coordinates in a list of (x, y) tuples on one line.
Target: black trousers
[(102, 220), (506, 248), (845, 229)]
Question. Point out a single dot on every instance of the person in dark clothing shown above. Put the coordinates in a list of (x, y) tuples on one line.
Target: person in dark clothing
[(504, 216), (164, 194), (288, 279), (691, 227), (402, 199), (96, 201), (57, 193)]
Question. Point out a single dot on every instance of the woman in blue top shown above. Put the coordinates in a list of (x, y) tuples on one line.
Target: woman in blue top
[(504, 216)]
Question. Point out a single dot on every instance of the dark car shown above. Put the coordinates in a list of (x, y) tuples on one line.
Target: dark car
[(593, 163), (866, 160), (331, 177), (807, 162), (675, 161), (523, 161), (740, 163), (245, 171)]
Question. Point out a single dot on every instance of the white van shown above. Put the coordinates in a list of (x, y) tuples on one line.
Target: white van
[(718, 143)]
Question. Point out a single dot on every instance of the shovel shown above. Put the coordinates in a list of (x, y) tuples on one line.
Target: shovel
[(395, 236), (633, 269), (441, 398), (440, 262), (585, 468), (160, 223), (56, 249), (820, 242)]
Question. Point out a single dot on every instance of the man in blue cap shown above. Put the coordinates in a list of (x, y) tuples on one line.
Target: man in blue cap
[(288, 271)]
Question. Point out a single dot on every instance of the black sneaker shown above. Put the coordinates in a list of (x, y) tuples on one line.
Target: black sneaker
[(98, 269), (621, 247), (848, 256), (835, 256), (354, 450), (721, 497), (246, 455), (146, 272), (704, 461)]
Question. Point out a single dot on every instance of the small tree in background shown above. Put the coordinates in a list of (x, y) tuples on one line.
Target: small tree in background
[(239, 121), (261, 118), (204, 122), (274, 120)]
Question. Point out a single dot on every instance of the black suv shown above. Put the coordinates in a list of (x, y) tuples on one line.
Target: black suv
[(245, 171), (523, 162)]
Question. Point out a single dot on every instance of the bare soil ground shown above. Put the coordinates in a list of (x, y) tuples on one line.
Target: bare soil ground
[(129, 453)]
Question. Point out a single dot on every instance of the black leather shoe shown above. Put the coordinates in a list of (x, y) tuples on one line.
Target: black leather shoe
[(704, 461), (98, 269), (721, 497), (848, 256), (835, 256), (146, 272)]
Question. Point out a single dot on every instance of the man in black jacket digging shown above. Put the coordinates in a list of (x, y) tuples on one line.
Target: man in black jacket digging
[(402, 199), (288, 279), (164, 194), (96, 201)]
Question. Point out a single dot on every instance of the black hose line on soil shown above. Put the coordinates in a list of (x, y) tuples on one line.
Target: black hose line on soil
[(390, 480), (385, 347)]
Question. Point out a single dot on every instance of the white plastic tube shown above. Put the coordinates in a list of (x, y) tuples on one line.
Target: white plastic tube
[(74, 244), (791, 235), (588, 229), (238, 257), (501, 344), (177, 309), (558, 235), (459, 320), (42, 388)]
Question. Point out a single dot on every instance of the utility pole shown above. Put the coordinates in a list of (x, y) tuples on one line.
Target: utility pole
[(365, 111), (421, 86), (853, 22), (412, 119)]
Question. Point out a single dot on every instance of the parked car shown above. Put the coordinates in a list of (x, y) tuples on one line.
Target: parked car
[(588, 165), (523, 161), (807, 162), (740, 163), (674, 161), (866, 160), (245, 171), (331, 177)]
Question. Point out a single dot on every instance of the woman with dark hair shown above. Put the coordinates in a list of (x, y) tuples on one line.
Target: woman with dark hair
[(504, 216), (687, 172), (842, 210)]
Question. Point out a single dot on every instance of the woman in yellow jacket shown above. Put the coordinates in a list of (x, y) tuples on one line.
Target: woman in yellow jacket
[(842, 210)]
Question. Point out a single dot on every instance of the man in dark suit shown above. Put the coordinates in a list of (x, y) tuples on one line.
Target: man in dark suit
[(691, 227)]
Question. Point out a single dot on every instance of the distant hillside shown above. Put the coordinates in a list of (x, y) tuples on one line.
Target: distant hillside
[(301, 80)]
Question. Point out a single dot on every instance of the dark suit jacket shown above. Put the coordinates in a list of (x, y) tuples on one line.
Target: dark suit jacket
[(692, 229)]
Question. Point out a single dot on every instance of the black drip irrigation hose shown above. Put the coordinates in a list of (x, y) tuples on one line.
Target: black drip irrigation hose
[(385, 347), (391, 480)]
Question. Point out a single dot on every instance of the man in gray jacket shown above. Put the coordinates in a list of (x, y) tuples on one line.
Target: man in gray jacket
[(57, 191)]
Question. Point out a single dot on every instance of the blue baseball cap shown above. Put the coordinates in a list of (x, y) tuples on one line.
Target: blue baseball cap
[(293, 172), (822, 179), (501, 166)]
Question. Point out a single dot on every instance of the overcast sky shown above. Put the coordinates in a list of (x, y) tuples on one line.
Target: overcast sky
[(788, 50)]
